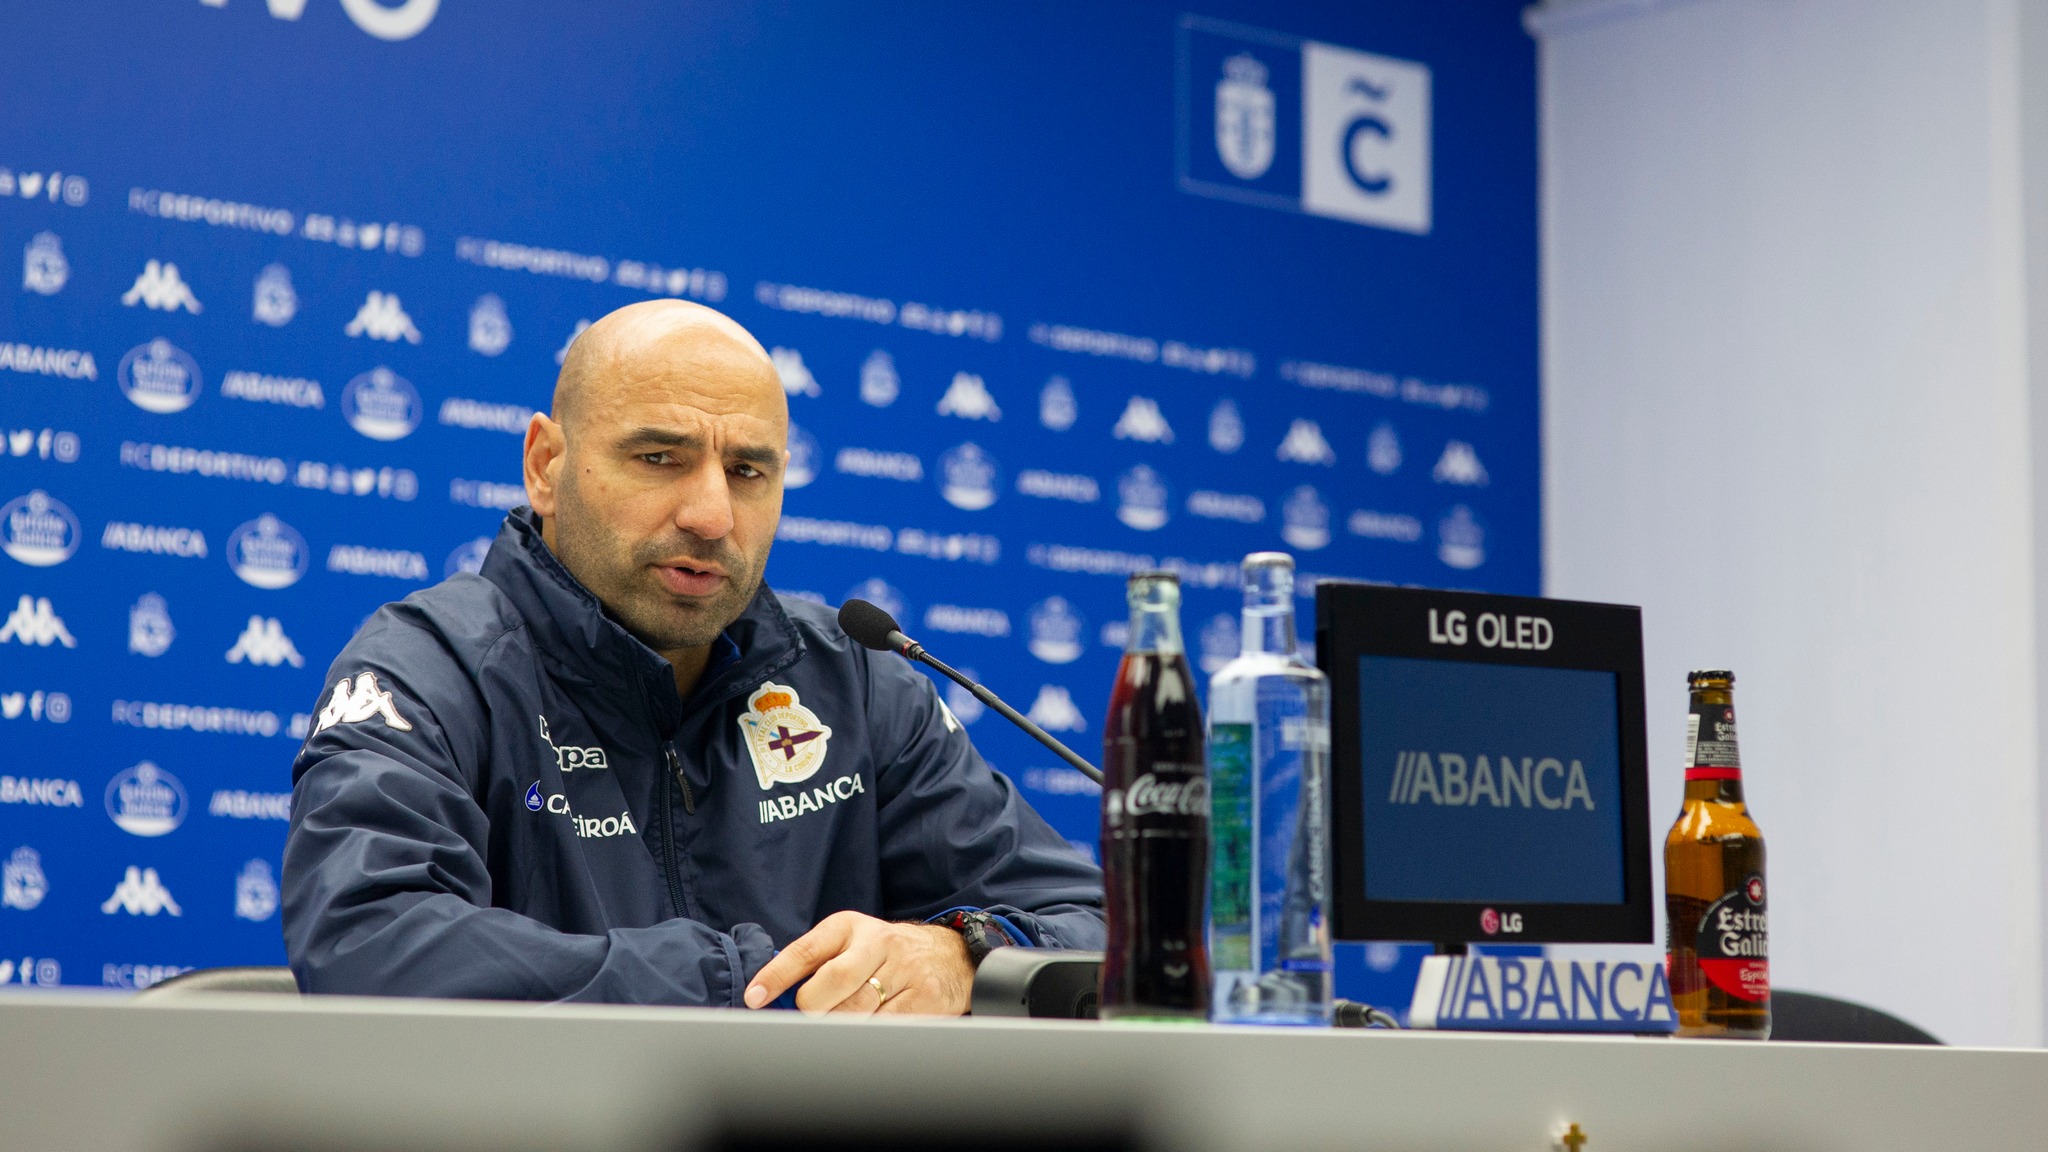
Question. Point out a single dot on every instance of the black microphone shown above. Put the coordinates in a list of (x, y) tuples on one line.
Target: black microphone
[(872, 627)]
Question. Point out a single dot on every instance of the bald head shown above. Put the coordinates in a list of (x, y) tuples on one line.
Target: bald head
[(672, 338), (658, 475)]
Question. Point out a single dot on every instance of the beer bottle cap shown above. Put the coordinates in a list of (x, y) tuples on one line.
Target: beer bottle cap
[(1698, 675), (1156, 574)]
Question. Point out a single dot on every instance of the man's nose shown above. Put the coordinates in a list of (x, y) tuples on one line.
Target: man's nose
[(705, 510)]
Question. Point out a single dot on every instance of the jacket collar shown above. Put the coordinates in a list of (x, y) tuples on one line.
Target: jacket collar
[(582, 643)]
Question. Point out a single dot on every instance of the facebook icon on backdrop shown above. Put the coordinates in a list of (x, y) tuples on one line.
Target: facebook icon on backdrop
[(1275, 120)]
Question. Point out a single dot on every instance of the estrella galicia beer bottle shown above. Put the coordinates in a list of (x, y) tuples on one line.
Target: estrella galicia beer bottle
[(1717, 946), (1155, 820)]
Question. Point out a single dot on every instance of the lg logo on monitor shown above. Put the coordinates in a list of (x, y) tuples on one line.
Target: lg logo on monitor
[(386, 21)]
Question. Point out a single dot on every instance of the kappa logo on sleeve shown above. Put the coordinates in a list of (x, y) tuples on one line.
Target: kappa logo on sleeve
[(355, 702), (785, 738)]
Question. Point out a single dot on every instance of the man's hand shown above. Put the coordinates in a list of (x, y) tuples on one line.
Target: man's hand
[(922, 969)]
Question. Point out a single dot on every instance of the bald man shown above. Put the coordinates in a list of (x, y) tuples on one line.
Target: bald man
[(614, 766)]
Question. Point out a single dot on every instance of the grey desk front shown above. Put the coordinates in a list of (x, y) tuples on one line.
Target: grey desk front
[(229, 1073)]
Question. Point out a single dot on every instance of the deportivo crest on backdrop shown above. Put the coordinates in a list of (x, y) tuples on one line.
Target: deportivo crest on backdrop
[(785, 739), (1278, 121)]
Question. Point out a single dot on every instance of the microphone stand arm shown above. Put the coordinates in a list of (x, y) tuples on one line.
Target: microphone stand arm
[(911, 649)]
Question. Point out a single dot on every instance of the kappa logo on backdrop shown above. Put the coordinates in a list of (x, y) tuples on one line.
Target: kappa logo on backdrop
[(146, 800), (255, 891), (1305, 520), (276, 302), (44, 270), (149, 626), (786, 740), (968, 398), (382, 317), (879, 384), (36, 624), (1057, 409), (796, 378), (159, 377), (1460, 465), (22, 883), (1142, 421), (38, 530), (353, 703), (141, 892), (802, 467), (264, 643), (160, 287), (1056, 630), (1304, 444), (569, 757), (1054, 711), (967, 477), (384, 19), (268, 553), (381, 404)]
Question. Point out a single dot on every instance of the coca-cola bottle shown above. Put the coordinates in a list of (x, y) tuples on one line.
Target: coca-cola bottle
[(1155, 820)]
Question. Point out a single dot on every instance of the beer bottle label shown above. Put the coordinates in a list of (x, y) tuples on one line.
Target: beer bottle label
[(1230, 831), (1710, 748), (1734, 942)]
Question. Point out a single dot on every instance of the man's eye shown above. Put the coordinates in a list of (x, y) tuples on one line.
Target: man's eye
[(746, 471), (653, 457)]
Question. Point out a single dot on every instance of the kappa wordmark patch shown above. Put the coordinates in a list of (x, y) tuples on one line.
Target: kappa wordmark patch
[(785, 738)]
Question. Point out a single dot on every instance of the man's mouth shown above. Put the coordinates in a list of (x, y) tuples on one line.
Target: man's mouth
[(690, 579)]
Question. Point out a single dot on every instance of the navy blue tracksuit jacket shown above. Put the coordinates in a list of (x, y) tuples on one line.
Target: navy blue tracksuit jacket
[(504, 797)]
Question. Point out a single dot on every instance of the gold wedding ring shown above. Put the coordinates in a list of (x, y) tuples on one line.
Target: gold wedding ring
[(880, 992)]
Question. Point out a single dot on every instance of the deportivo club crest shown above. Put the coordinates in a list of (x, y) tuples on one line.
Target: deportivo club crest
[(785, 738), (24, 882), (1244, 118), (44, 269)]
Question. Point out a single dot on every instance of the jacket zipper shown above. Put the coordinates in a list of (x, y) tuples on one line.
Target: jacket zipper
[(668, 827)]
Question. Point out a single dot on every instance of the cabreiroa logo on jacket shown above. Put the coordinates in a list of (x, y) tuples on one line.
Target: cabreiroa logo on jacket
[(785, 738)]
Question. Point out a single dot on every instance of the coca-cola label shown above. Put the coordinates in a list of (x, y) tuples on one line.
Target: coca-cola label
[(1734, 942), (1179, 790), (1711, 752)]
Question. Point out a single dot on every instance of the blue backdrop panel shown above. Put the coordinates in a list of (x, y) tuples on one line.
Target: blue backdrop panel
[(1058, 292)]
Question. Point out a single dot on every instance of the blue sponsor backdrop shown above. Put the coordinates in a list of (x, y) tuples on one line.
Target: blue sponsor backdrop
[(1057, 292)]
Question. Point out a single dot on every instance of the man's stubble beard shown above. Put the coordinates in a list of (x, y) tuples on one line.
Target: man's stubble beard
[(621, 575)]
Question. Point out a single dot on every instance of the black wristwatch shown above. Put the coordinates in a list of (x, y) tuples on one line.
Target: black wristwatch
[(979, 929)]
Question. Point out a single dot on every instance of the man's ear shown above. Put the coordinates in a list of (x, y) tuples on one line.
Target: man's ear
[(546, 447)]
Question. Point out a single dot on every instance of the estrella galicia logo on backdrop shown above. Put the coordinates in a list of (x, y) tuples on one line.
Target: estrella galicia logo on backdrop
[(1056, 629), (967, 477), (38, 530), (146, 800), (381, 404), (1461, 539), (1282, 122), (1142, 499), (1305, 519), (159, 377), (267, 553), (803, 458)]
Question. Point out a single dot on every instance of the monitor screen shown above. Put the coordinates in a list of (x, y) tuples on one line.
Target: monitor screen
[(1490, 783)]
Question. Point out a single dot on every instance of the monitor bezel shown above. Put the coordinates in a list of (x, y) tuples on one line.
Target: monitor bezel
[(1354, 620)]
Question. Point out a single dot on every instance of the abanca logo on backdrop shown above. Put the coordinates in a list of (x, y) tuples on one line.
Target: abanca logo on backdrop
[(401, 21)]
